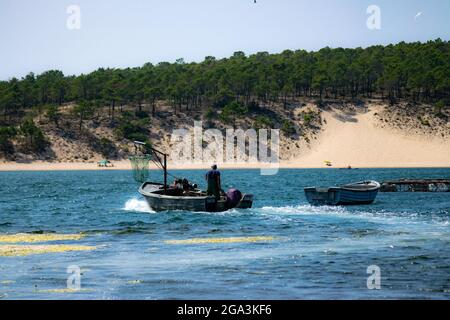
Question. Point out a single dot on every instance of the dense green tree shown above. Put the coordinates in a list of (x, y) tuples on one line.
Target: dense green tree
[(34, 137), (6, 145), (232, 111), (11, 99), (83, 110), (53, 114), (416, 71)]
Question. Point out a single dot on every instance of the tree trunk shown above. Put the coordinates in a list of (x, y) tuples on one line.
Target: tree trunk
[(81, 122), (113, 108)]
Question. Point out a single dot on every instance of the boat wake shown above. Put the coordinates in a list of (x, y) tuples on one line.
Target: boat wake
[(304, 209), (137, 205), (441, 219)]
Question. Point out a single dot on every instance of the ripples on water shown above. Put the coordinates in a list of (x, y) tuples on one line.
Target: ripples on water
[(281, 248)]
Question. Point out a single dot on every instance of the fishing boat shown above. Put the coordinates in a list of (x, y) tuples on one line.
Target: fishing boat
[(161, 199), (182, 195), (363, 192)]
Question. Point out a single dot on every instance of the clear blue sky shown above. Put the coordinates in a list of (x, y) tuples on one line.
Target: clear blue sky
[(114, 33)]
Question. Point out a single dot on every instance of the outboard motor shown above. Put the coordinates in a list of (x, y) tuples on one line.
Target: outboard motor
[(233, 198)]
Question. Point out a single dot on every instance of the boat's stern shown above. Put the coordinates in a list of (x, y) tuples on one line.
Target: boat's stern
[(246, 201), (322, 196)]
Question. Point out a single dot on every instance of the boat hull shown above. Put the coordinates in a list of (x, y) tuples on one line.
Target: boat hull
[(356, 194), (322, 196), (349, 197), (158, 201)]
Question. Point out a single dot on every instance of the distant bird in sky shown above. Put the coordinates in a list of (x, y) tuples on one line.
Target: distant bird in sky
[(417, 15)]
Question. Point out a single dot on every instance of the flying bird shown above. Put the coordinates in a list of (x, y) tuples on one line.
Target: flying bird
[(417, 15)]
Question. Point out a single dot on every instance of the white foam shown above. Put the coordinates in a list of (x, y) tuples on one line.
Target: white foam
[(137, 205), (340, 211), (305, 209)]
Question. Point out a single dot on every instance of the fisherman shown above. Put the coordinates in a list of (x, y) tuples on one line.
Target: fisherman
[(213, 179), (178, 186), (187, 186), (178, 183), (182, 186)]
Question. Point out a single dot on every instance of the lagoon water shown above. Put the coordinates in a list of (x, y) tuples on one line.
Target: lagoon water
[(308, 253)]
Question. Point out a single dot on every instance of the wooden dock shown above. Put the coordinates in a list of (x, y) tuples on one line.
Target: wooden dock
[(416, 185)]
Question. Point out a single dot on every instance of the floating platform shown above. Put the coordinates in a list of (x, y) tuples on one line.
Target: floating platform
[(416, 185)]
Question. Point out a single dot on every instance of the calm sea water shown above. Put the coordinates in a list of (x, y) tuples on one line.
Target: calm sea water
[(316, 253)]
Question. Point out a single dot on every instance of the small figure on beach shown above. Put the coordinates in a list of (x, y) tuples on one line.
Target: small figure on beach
[(213, 180), (105, 163)]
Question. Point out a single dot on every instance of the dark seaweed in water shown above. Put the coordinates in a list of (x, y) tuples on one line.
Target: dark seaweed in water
[(309, 252)]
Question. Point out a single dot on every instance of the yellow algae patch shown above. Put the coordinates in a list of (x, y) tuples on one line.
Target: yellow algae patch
[(36, 237), (24, 250), (134, 282), (6, 282), (219, 240), (64, 290)]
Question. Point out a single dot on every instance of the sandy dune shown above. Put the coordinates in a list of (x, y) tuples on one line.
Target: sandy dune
[(346, 139), (359, 140)]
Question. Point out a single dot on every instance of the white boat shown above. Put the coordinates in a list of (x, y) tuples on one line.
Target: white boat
[(363, 192)]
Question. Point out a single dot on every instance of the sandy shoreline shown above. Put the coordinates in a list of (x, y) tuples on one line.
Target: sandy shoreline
[(125, 165)]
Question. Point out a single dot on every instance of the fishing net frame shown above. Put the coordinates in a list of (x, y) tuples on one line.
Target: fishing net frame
[(140, 162), (140, 167)]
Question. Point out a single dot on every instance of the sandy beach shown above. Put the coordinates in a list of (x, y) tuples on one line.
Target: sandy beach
[(361, 141), (125, 165), (357, 140)]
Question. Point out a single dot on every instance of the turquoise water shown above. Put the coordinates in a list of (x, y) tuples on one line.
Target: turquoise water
[(315, 253)]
